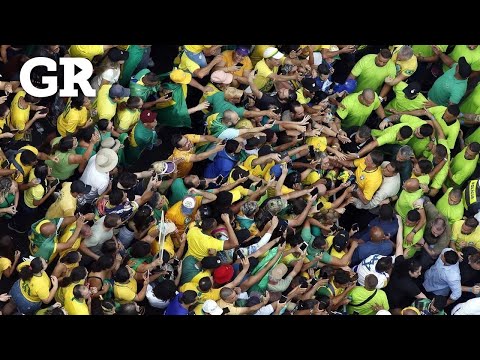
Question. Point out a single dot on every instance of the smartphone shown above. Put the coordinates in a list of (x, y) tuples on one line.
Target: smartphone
[(54, 183), (283, 154), (277, 110), (311, 151), (303, 246), (43, 111), (226, 310), (313, 281), (300, 137), (304, 285), (168, 95), (319, 206), (282, 240), (334, 228), (314, 191), (169, 274), (283, 299), (240, 254), (355, 227), (219, 179), (175, 262), (5, 164)]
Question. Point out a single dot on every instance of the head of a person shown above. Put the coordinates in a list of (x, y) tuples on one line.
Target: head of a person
[(438, 227), (230, 118), (148, 119), (116, 197), (240, 53), (405, 53), (404, 153), (7, 185), (413, 217), (228, 295), (112, 221), (463, 68), (7, 247), (130, 308), (104, 262), (374, 159), (104, 125), (383, 57), (233, 147), (341, 278), (79, 101), (165, 290), (411, 268), (386, 212), (210, 262), (391, 169), (422, 167), (371, 282), (363, 134), (296, 110), (275, 205), (474, 261), (81, 292), (469, 226), (4, 111), (28, 158), (188, 298), (205, 284), (48, 229), (323, 71), (411, 185), (37, 265), (127, 180), (455, 196), (140, 249), (151, 79), (384, 264), (272, 57), (191, 181), (124, 274), (450, 257), (472, 150), (367, 97), (377, 234), (223, 274), (287, 95), (440, 152), (405, 133), (424, 131), (233, 95), (452, 113), (71, 257), (134, 103), (30, 99), (181, 142)]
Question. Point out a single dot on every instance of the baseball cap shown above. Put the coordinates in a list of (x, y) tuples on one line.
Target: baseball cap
[(188, 204), (340, 240), (275, 205), (383, 312), (243, 50), (211, 307), (276, 171), (253, 142), (211, 262), (412, 90), (118, 91), (272, 52), (115, 54), (223, 274), (310, 84), (278, 272), (148, 116), (221, 77), (464, 68), (79, 186), (180, 77)]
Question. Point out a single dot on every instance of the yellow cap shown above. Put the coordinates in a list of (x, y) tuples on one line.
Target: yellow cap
[(180, 76), (318, 142)]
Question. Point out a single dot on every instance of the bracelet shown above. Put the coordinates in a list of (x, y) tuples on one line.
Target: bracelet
[(414, 231)]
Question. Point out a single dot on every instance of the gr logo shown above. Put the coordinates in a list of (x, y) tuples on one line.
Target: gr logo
[(70, 78)]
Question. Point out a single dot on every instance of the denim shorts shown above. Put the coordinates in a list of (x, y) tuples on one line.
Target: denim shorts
[(197, 58), (24, 305)]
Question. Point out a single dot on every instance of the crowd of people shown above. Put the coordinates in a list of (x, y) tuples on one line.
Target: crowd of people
[(243, 180)]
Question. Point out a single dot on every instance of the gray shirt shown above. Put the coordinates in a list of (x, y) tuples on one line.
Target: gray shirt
[(440, 243), (99, 235)]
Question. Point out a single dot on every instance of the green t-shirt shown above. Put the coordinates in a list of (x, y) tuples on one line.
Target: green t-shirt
[(179, 190), (62, 169), (355, 113), (401, 103), (189, 270), (471, 105), (439, 179), (389, 135), (405, 202), (461, 168), (451, 212), (359, 294), (450, 130), (471, 56), (416, 238), (426, 50), (419, 146), (371, 76), (219, 104), (448, 88), (308, 237)]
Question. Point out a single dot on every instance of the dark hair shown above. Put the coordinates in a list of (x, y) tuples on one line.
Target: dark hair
[(293, 105), (413, 215), (384, 264), (31, 99), (294, 239), (326, 271), (224, 199), (111, 220), (323, 302), (292, 178), (109, 247), (474, 147), (237, 173), (318, 242), (341, 277), (143, 217), (7, 247), (261, 218), (231, 146), (77, 101), (140, 249), (386, 212), (451, 257), (377, 157), (102, 124), (426, 130), (3, 109), (205, 284), (441, 150), (386, 54), (405, 132), (396, 165), (188, 297), (122, 275), (65, 144), (86, 134), (425, 166), (128, 309), (453, 109), (27, 157), (371, 281), (165, 290), (440, 302), (36, 266), (175, 139), (364, 132), (207, 224), (323, 68), (471, 222), (297, 205), (76, 291), (133, 102), (77, 274), (151, 77), (115, 197), (409, 265), (104, 262), (127, 179), (71, 257), (265, 150)]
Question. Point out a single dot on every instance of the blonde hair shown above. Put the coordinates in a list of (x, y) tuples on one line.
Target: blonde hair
[(231, 92)]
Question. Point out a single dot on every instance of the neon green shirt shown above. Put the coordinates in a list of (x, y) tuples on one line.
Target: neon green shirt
[(371, 76), (355, 113)]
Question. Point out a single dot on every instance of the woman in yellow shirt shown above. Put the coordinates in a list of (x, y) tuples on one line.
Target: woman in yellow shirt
[(8, 256), (32, 289), (66, 264), (76, 115)]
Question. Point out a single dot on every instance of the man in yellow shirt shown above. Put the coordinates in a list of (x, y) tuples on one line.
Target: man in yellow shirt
[(405, 64), (193, 59), (266, 70), (237, 63), (184, 150), (107, 99), (125, 119), (18, 118), (465, 233), (88, 51), (66, 203), (80, 303)]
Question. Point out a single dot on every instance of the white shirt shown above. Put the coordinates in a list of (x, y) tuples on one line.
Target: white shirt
[(99, 234), (471, 307), (367, 267), (111, 75), (154, 301), (97, 180), (390, 187)]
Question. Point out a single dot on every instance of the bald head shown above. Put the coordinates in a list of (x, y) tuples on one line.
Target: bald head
[(48, 229), (368, 95), (377, 234), (411, 185), (405, 53), (230, 117)]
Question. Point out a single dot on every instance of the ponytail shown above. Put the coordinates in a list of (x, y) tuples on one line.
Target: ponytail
[(27, 272)]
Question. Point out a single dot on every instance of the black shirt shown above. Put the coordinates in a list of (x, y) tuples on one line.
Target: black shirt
[(401, 290), (353, 147), (267, 100), (469, 276)]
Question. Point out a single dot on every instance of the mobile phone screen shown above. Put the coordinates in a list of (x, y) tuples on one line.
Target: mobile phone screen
[(240, 254), (313, 281), (304, 285), (219, 180), (303, 246), (283, 299), (314, 191)]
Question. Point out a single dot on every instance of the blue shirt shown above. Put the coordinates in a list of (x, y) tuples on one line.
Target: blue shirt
[(384, 247), (388, 227), (174, 308), (222, 164), (440, 279)]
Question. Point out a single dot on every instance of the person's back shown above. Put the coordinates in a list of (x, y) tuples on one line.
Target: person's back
[(444, 276), (365, 298)]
